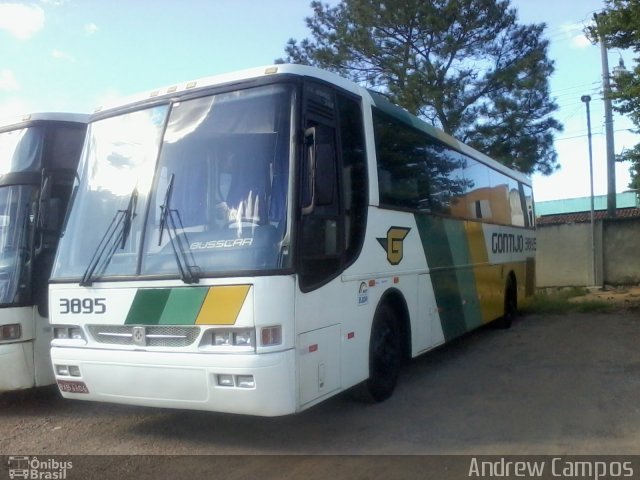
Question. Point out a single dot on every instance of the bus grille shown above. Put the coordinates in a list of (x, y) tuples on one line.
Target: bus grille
[(154, 336)]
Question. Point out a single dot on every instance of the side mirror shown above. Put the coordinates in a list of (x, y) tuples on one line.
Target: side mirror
[(309, 172), (50, 216)]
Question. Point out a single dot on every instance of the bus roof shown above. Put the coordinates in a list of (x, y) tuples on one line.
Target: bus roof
[(22, 120), (371, 97), (230, 78)]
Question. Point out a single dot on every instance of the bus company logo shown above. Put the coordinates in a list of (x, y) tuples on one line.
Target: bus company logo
[(393, 244), (35, 468), (139, 336)]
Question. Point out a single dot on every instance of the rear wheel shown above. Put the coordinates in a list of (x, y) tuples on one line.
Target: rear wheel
[(385, 355), (510, 305)]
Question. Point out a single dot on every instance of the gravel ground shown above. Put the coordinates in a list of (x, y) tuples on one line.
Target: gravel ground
[(557, 385)]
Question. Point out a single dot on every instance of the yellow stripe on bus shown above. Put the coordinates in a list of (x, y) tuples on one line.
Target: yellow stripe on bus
[(222, 305), (489, 278)]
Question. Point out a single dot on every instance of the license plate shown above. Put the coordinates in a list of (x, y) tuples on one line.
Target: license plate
[(72, 386)]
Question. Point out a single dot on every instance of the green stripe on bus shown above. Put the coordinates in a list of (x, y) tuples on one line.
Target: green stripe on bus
[(147, 306), (438, 241), (183, 306), (166, 306), (465, 275)]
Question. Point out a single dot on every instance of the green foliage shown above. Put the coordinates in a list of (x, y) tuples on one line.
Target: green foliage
[(632, 155), (466, 66), (619, 25)]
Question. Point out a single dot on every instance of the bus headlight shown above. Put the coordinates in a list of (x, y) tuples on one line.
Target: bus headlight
[(240, 338), (222, 338), (67, 370), (10, 332), (243, 338), (68, 335), (231, 339)]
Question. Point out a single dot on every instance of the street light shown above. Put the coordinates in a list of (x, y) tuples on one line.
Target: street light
[(586, 99)]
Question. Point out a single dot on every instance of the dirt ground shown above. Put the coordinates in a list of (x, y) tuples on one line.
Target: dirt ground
[(552, 384), (623, 295)]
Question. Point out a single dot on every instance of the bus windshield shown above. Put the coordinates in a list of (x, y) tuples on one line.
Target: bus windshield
[(194, 188), (17, 203)]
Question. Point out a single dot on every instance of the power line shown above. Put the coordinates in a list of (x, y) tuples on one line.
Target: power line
[(560, 139), (577, 89), (579, 86)]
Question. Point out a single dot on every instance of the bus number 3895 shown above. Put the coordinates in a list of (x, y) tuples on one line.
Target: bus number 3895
[(82, 305)]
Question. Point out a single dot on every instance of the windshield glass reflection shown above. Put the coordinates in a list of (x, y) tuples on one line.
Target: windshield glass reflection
[(212, 190), (20, 150), (119, 159), (225, 162), (16, 215)]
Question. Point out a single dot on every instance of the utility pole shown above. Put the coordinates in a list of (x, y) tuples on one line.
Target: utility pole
[(586, 99), (608, 125)]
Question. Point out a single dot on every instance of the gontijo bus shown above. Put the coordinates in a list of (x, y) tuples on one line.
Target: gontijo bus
[(38, 158), (259, 241)]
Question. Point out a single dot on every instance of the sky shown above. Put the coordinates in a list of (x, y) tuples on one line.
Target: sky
[(74, 55)]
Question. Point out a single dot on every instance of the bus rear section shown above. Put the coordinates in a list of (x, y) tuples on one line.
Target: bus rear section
[(38, 159)]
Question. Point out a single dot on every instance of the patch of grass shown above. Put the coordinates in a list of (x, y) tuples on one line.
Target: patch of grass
[(570, 292), (560, 301), (593, 306)]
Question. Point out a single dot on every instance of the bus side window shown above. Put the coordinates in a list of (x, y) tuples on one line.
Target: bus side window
[(355, 187), (526, 198)]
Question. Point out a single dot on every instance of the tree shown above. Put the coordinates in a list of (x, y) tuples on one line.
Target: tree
[(466, 66), (619, 25)]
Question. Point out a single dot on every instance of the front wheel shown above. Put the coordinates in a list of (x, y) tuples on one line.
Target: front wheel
[(385, 355)]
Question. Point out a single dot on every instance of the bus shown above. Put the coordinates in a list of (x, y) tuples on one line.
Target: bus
[(18, 466), (39, 155), (257, 242)]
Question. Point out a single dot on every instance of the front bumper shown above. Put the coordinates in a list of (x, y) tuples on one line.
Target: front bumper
[(182, 380)]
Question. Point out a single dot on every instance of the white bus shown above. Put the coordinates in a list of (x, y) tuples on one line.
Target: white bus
[(260, 241), (38, 159)]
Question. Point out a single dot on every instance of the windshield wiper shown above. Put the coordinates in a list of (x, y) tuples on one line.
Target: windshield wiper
[(189, 271), (115, 236), (164, 208)]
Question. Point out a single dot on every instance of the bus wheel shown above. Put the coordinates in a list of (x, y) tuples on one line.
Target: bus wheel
[(385, 355), (510, 305)]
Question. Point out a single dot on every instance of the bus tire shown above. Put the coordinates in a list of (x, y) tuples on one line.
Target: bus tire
[(385, 355), (510, 304)]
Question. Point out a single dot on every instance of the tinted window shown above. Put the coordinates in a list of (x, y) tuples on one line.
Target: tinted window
[(419, 173), (354, 174), (403, 172), (415, 171), (529, 214), (65, 146)]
